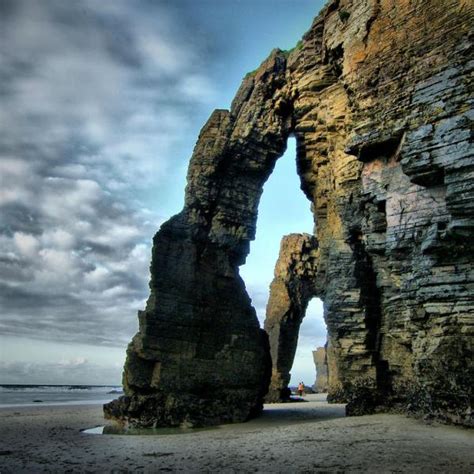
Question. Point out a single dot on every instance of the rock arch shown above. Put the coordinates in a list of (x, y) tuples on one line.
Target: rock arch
[(200, 356), (379, 108), (294, 285)]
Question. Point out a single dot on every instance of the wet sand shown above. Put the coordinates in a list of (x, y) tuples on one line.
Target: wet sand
[(298, 437)]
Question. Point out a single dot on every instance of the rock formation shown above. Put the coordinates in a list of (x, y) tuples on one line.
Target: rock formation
[(322, 373), (290, 292), (378, 95)]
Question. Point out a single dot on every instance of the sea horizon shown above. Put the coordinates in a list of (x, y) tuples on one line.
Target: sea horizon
[(16, 395)]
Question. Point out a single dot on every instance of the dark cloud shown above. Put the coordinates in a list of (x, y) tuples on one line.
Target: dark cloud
[(101, 104), (74, 371), (17, 217), (8, 9), (68, 317), (95, 106)]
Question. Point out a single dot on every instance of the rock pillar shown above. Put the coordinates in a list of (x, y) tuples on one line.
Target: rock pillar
[(321, 384), (290, 292)]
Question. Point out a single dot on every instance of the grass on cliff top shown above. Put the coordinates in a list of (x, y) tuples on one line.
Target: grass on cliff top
[(285, 52), (296, 47)]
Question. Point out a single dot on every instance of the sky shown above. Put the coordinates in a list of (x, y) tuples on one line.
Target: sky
[(100, 107)]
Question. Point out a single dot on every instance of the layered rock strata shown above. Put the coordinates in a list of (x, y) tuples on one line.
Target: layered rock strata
[(379, 97), (294, 285), (322, 372)]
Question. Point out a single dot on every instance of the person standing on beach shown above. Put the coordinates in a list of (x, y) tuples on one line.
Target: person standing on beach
[(301, 389)]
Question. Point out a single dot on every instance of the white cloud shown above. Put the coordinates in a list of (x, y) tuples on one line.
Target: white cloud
[(11, 167), (59, 238), (63, 199), (58, 262), (15, 180), (118, 234), (197, 87), (77, 361), (27, 244), (116, 291), (162, 54), (97, 278)]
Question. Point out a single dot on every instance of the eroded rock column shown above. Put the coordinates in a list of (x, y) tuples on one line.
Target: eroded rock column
[(290, 292), (321, 365)]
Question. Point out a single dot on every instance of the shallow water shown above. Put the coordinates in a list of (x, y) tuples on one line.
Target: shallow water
[(96, 430), (114, 430)]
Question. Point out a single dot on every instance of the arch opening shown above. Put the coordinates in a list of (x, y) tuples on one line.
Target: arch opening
[(281, 211), (285, 235), (310, 361), (200, 356)]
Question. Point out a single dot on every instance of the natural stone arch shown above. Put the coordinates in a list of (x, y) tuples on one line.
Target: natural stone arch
[(384, 155), (294, 285), (200, 356)]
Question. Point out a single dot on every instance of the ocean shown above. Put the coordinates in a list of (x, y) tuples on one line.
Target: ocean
[(31, 395)]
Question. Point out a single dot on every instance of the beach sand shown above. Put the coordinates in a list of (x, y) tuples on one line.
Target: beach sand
[(297, 437)]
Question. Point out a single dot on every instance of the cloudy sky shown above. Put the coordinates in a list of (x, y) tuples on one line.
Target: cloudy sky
[(101, 104)]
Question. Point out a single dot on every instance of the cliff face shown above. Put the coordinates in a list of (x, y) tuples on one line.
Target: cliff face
[(378, 97)]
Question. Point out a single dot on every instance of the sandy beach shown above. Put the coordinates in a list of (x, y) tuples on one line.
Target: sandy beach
[(299, 437)]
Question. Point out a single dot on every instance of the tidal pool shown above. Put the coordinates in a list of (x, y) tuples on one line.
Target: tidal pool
[(114, 430)]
